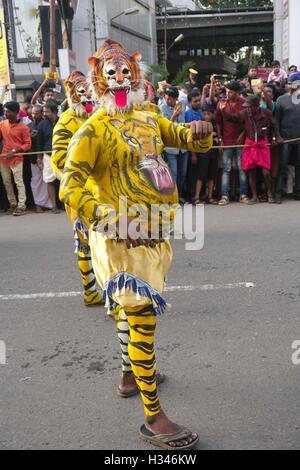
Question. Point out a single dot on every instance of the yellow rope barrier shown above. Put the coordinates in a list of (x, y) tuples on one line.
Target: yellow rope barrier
[(27, 154), (290, 141)]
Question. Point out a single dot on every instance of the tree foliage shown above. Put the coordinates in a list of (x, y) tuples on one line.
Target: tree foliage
[(157, 73), (235, 3), (183, 73)]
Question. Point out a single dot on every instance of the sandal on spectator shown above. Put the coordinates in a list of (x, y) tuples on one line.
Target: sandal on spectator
[(249, 202), (55, 210), (212, 201), (224, 201), (19, 211), (196, 202)]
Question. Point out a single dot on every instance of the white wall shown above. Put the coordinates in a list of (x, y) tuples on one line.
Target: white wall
[(287, 32), (85, 36), (278, 29), (294, 33), (143, 23)]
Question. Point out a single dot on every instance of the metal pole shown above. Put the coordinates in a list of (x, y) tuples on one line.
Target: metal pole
[(94, 25), (52, 39), (8, 19), (165, 36)]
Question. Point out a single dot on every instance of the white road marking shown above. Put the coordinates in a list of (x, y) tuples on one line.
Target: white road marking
[(234, 285), (51, 295)]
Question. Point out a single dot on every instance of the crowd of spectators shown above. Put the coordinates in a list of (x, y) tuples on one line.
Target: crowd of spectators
[(256, 135), (28, 181), (256, 126)]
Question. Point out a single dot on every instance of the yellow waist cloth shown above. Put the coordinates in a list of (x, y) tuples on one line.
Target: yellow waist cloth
[(130, 277)]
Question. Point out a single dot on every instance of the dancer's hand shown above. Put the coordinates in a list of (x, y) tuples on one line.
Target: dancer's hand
[(128, 231), (200, 130)]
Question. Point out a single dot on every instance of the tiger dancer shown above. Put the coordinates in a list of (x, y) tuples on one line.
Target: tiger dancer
[(117, 155), (80, 109)]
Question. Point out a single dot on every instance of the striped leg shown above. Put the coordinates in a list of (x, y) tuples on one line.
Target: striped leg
[(123, 335), (91, 295), (142, 324)]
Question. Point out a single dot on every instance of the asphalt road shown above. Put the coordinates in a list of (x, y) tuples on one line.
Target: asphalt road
[(227, 352)]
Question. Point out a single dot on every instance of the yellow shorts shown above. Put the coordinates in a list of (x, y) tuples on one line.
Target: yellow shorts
[(130, 277)]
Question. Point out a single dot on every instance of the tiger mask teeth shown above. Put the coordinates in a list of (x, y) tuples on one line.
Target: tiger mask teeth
[(158, 173)]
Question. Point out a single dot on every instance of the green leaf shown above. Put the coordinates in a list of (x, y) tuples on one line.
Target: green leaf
[(183, 73), (157, 73)]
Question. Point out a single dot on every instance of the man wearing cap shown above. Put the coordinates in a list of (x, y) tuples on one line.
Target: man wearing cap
[(288, 127), (256, 123), (231, 133), (192, 82), (16, 140)]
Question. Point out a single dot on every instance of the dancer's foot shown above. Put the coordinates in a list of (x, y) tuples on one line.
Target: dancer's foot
[(92, 298), (128, 387), (160, 424)]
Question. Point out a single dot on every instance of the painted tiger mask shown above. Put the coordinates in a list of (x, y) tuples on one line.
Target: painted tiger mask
[(78, 94), (116, 79)]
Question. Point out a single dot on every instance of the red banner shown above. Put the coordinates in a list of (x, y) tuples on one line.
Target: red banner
[(263, 72)]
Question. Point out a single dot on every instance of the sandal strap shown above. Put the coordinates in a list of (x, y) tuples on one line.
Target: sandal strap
[(182, 433), (224, 200)]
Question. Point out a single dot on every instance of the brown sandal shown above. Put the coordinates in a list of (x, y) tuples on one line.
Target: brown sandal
[(224, 201), (196, 202), (247, 201), (163, 440)]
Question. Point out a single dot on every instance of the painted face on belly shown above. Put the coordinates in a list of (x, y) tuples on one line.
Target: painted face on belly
[(138, 160), (157, 172)]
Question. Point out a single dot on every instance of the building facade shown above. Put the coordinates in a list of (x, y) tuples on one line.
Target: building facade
[(287, 32), (97, 20), (93, 22)]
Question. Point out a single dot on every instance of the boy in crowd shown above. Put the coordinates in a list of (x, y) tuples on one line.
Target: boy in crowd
[(207, 165), (278, 75)]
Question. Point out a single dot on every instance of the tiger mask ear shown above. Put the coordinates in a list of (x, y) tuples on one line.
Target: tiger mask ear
[(136, 56), (94, 61), (68, 85)]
